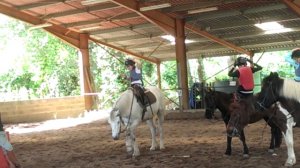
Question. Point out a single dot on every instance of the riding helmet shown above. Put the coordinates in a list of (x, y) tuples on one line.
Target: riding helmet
[(241, 61), (129, 62), (296, 53)]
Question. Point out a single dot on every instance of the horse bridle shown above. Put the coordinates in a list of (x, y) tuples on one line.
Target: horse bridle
[(121, 119), (262, 103)]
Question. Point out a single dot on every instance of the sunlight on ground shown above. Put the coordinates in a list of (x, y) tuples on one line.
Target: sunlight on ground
[(58, 123)]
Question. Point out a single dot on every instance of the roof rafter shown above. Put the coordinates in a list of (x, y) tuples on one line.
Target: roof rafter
[(151, 59), (134, 37), (40, 4), (69, 36), (292, 6), (80, 11), (125, 28), (167, 24), (220, 14), (98, 21)]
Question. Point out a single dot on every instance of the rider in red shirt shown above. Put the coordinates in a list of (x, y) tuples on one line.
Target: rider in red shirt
[(245, 75)]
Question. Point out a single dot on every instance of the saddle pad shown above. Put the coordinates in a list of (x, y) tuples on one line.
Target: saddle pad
[(150, 98)]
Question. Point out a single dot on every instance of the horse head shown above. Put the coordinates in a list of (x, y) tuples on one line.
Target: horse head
[(210, 104), (239, 118), (115, 122), (269, 91)]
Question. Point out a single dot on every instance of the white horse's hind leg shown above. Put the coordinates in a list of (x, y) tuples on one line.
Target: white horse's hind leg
[(288, 137), (153, 133), (161, 129)]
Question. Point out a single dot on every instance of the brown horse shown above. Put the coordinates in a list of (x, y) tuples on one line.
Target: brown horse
[(220, 100), (283, 97)]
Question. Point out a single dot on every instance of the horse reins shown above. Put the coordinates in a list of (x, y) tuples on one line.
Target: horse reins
[(122, 121), (261, 104)]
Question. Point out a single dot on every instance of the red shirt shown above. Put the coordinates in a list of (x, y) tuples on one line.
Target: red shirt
[(246, 78), (3, 159)]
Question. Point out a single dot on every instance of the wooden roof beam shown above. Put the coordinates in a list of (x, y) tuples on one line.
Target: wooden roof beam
[(220, 14), (99, 21), (217, 40), (164, 22), (134, 37), (80, 11), (151, 59), (69, 36), (292, 6), (167, 24), (118, 29), (40, 4), (197, 5)]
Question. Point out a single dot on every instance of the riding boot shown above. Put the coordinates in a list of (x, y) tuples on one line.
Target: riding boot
[(141, 97)]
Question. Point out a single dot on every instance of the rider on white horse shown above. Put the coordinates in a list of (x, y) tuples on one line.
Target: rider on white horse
[(135, 78)]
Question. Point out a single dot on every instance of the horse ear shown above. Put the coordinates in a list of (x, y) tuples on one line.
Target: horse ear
[(274, 74)]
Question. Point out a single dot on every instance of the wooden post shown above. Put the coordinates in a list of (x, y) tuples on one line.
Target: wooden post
[(158, 75), (85, 71), (181, 64)]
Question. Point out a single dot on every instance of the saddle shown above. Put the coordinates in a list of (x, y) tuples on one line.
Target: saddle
[(239, 96), (144, 97)]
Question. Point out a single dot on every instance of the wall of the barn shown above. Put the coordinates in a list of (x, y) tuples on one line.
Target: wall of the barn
[(42, 109)]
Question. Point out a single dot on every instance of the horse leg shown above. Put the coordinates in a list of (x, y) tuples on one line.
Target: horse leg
[(278, 137), (153, 133), (161, 129), (243, 139), (128, 142), (272, 142), (287, 132), (136, 151), (288, 136), (228, 149), (131, 145)]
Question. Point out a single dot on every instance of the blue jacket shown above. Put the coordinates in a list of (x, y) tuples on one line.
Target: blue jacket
[(288, 58), (136, 76)]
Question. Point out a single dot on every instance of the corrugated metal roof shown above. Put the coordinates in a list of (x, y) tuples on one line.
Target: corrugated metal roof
[(116, 25)]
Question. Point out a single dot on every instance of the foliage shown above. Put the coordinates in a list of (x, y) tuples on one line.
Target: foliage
[(169, 74), (47, 67)]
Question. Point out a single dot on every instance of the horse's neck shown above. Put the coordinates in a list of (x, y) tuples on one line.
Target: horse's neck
[(126, 102), (223, 101)]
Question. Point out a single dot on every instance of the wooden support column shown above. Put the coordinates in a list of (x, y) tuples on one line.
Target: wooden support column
[(181, 64), (158, 75), (85, 71)]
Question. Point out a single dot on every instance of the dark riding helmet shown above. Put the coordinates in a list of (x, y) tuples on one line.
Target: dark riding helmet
[(129, 62), (241, 61), (296, 53)]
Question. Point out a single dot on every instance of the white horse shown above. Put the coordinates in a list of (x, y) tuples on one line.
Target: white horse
[(128, 112)]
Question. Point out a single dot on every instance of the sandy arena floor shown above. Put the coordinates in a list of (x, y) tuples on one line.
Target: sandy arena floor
[(197, 143)]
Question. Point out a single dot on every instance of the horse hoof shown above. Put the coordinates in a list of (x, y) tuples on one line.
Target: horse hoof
[(288, 165), (227, 153), (271, 150), (245, 155), (152, 149), (162, 148)]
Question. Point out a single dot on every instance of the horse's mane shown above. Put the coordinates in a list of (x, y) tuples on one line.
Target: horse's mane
[(291, 89)]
